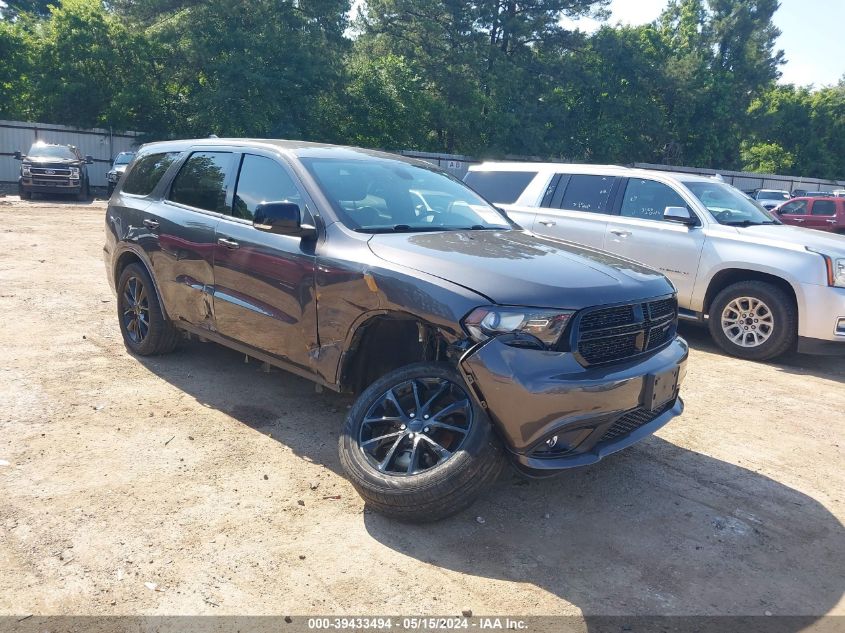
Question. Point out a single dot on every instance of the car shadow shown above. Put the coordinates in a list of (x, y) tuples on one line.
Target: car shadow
[(828, 367), (656, 529)]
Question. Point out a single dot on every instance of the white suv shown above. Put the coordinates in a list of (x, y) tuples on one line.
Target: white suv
[(761, 286)]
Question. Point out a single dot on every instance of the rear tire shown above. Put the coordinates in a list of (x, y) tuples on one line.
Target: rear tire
[(145, 330), (754, 320), (438, 485)]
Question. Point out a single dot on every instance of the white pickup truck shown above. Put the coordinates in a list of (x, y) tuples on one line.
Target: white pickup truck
[(762, 287)]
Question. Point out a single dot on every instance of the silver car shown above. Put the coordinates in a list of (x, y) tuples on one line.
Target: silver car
[(762, 287)]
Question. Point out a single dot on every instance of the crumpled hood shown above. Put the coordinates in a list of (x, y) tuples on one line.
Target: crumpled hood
[(520, 268), (827, 243)]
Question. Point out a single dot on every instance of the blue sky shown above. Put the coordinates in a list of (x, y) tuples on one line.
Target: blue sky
[(812, 35)]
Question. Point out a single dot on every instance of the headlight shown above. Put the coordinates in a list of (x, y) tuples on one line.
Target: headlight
[(112, 175), (544, 324), (835, 268), (74, 172), (25, 171), (836, 272)]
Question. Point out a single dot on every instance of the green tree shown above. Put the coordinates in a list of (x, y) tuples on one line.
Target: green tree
[(766, 158)]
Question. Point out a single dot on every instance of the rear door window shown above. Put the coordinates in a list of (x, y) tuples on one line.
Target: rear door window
[(502, 187), (146, 173), (201, 183), (588, 193), (648, 199), (824, 207)]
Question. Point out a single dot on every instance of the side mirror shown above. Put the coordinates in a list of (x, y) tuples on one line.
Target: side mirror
[(282, 218), (89, 160), (681, 215), (18, 156)]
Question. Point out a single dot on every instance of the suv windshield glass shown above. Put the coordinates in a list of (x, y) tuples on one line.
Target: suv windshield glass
[(124, 158), (382, 195), (51, 151), (728, 205), (772, 195)]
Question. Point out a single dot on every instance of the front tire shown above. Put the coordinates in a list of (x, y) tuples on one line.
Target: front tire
[(145, 330), (754, 320), (24, 194), (84, 192), (417, 447)]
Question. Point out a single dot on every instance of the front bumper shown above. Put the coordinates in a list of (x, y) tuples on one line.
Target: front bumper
[(57, 186), (819, 316), (534, 396)]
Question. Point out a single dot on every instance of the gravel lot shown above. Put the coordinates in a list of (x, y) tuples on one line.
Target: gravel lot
[(198, 484)]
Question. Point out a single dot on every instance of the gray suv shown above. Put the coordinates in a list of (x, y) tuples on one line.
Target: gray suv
[(761, 287), (466, 338)]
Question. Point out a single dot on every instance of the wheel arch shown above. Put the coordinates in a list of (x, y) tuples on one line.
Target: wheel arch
[(131, 256), (729, 276), (386, 340)]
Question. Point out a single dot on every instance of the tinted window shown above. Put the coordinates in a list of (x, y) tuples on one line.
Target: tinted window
[(799, 207), (262, 180), (587, 193), (648, 199), (824, 207), (146, 173), (502, 187), (201, 181)]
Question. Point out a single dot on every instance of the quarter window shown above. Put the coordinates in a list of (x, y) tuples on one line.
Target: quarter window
[(588, 193), (824, 207), (262, 180), (648, 199), (146, 173), (201, 183)]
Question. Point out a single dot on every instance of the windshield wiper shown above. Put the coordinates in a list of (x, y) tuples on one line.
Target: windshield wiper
[(745, 223), (399, 228)]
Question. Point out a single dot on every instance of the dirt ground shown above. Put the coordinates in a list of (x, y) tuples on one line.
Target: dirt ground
[(197, 484)]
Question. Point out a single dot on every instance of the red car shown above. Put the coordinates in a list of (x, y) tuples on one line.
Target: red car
[(824, 214)]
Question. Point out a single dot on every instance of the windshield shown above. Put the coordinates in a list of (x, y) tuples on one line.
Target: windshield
[(51, 151), (124, 158), (380, 195), (772, 195), (728, 205)]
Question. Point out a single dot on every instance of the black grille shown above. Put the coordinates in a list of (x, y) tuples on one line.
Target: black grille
[(606, 335), (661, 309), (609, 317), (630, 422), (607, 349)]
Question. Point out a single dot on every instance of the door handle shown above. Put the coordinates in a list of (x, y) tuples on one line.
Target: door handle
[(230, 244), (150, 224), (798, 220), (621, 233), (547, 222), (831, 221)]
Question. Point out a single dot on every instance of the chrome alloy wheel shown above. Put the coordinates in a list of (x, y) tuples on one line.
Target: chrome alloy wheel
[(747, 322), (135, 308), (415, 426)]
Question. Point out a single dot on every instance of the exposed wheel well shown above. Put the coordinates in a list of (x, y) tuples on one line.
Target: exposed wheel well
[(725, 278), (387, 342)]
